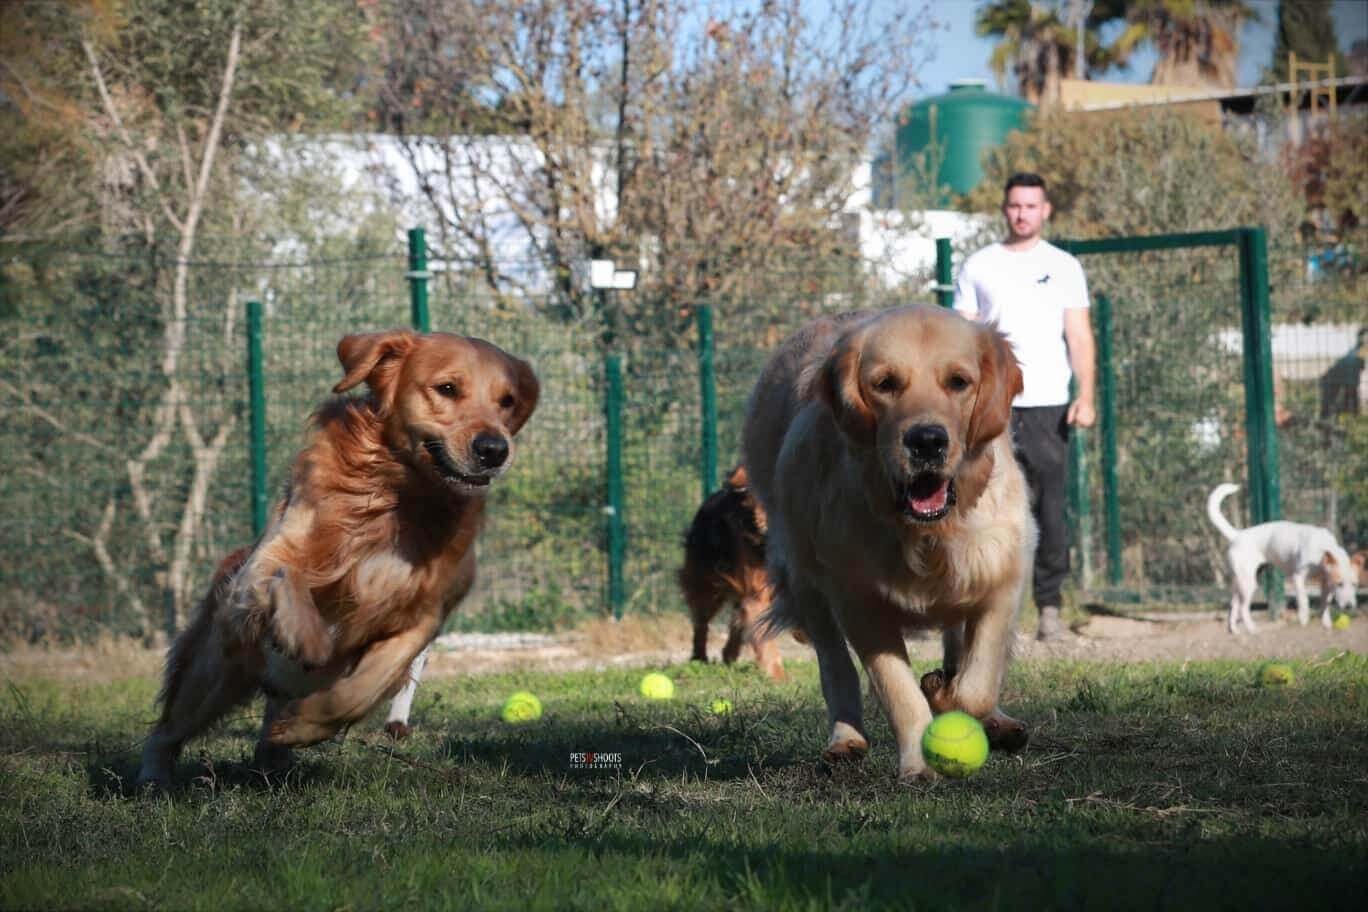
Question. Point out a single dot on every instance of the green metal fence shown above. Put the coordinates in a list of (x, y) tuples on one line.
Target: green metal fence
[(1209, 371), (125, 478)]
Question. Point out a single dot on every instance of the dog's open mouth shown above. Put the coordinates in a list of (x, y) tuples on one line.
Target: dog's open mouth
[(928, 497), (447, 468)]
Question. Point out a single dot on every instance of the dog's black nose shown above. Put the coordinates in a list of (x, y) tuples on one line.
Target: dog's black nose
[(491, 450), (927, 442)]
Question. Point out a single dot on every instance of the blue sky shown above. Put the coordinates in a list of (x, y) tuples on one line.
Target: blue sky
[(960, 54)]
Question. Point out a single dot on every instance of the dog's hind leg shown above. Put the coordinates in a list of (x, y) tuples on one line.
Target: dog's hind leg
[(396, 724), (840, 680), (703, 607), (271, 759), (765, 647), (1243, 579), (201, 685)]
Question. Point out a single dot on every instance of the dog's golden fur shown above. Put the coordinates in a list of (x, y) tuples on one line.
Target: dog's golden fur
[(724, 563), (369, 551), (878, 444)]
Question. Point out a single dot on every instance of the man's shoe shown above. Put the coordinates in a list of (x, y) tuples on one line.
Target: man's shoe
[(1051, 627)]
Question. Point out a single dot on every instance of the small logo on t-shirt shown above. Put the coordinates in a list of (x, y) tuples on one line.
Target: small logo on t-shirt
[(1043, 280)]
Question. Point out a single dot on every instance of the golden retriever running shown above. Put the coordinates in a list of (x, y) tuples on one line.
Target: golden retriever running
[(370, 550), (878, 445)]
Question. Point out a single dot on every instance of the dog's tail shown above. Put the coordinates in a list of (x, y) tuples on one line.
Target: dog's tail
[(1220, 493)]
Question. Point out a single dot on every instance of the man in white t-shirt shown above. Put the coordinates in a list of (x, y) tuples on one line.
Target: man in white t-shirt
[(1038, 296)]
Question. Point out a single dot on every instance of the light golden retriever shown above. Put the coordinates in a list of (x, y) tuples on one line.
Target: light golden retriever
[(370, 550), (878, 445)]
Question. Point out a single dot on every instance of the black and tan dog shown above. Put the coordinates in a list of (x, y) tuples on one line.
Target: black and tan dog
[(724, 563)]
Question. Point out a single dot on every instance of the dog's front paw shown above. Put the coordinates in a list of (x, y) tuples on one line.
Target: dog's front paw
[(846, 745), (272, 759), (297, 630), (1005, 733), (935, 686), (912, 773), (292, 730)]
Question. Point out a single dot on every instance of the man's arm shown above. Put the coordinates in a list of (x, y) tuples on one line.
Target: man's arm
[(966, 298), (1078, 336)]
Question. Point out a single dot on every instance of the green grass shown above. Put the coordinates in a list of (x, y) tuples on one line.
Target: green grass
[(1145, 787)]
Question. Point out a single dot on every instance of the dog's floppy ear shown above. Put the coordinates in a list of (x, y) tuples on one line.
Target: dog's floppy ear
[(1332, 567), (835, 380), (373, 358), (999, 383), (527, 391)]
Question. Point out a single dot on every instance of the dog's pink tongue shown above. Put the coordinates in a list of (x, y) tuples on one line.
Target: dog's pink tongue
[(932, 502)]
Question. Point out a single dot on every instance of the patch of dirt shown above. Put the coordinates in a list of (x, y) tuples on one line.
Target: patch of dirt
[(639, 642)]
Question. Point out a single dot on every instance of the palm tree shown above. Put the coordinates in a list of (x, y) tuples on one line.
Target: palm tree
[(1038, 46), (1198, 41)]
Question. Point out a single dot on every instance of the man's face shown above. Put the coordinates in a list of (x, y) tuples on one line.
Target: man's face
[(1026, 210)]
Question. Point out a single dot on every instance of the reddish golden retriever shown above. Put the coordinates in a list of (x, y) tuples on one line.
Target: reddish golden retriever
[(878, 445), (724, 563), (370, 550)]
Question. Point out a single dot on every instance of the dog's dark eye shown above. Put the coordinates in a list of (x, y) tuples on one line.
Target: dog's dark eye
[(958, 382), (507, 401), (447, 389), (888, 383)]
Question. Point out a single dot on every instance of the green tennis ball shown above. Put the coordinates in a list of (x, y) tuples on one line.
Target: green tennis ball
[(655, 686), (1276, 674), (955, 745), (721, 706), (1342, 622), (522, 707)]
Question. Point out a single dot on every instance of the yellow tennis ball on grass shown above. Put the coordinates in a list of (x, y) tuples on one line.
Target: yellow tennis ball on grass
[(655, 686), (721, 707), (522, 707), (1276, 674), (955, 744), (1342, 622)]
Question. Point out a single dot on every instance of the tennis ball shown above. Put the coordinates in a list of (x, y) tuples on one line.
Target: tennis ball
[(522, 707), (655, 686), (1342, 622), (955, 745), (1276, 674), (721, 706)]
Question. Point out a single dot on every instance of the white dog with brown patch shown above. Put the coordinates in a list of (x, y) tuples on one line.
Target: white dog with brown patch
[(1297, 549), (878, 444)]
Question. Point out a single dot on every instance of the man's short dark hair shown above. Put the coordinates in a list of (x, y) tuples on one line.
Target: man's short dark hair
[(1025, 179)]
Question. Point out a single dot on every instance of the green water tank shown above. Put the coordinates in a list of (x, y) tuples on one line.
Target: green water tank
[(962, 123)]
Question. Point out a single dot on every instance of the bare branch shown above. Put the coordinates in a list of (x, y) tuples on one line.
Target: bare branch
[(113, 112), (46, 416)]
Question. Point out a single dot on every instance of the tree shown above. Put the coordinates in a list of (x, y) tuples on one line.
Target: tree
[(709, 153), (1305, 28), (163, 100), (1198, 41), (1149, 172), (1040, 48)]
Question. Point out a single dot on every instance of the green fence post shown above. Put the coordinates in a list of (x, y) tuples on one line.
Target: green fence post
[(418, 276), (1106, 375), (945, 277), (617, 544), (707, 392), (256, 408), (1261, 430)]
